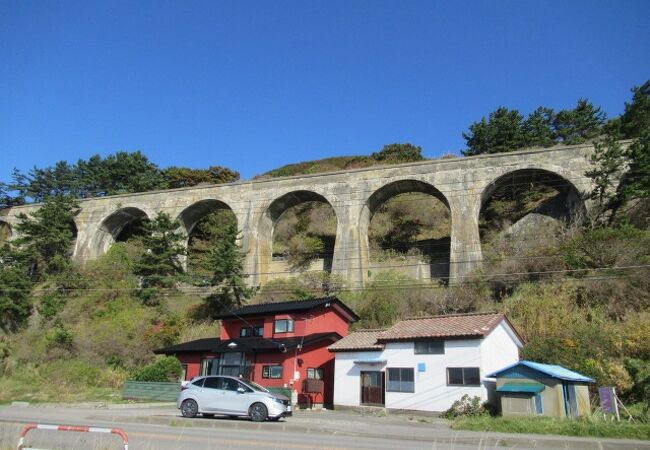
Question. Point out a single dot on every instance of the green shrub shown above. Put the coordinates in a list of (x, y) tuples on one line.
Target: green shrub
[(638, 412), (51, 304), (60, 336), (399, 153), (465, 407), (167, 368), (608, 247), (5, 353), (639, 370)]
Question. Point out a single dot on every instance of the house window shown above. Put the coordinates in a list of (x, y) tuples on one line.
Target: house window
[(314, 374), (210, 366), (430, 347), (271, 371), (401, 380), (284, 326), (539, 404), (184, 375), (463, 376), (251, 331), (232, 364)]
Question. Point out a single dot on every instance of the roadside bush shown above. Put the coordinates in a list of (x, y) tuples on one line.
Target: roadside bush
[(167, 368), (465, 407), (5, 353), (639, 370), (639, 412)]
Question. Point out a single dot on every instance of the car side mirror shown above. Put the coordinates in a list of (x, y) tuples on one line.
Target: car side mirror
[(241, 390)]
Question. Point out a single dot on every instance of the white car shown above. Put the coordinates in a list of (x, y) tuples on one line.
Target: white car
[(224, 395)]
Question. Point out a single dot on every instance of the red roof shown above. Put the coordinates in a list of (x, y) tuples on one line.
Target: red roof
[(474, 325)]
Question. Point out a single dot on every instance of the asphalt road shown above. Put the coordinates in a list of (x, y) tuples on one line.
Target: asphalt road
[(162, 428)]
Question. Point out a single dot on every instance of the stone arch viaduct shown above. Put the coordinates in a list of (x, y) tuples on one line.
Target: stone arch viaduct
[(463, 184)]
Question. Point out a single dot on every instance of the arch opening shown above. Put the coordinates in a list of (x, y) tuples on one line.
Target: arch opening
[(408, 227), (301, 227), (205, 223), (124, 225), (524, 214), (517, 195)]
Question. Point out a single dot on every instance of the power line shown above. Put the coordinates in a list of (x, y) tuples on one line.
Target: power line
[(354, 248), (520, 244), (467, 279)]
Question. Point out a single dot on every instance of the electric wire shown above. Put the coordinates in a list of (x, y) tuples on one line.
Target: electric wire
[(468, 279)]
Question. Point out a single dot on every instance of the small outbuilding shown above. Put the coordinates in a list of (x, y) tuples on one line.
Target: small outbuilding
[(529, 388)]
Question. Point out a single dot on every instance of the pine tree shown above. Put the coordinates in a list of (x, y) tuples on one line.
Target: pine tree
[(538, 128), (41, 252), (622, 173), (501, 132), (46, 237), (226, 264), (15, 291), (578, 125), (160, 265), (636, 118)]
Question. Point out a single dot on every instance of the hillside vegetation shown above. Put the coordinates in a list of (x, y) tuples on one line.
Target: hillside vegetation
[(576, 286), (389, 154)]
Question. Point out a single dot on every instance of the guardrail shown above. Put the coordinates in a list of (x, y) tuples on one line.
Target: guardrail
[(28, 428)]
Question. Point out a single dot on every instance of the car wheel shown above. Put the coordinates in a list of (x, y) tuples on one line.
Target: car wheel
[(208, 416), (189, 408), (258, 412)]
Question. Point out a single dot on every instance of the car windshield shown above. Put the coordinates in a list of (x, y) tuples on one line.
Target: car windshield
[(256, 386)]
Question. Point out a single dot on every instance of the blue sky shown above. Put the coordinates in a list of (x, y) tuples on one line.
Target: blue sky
[(256, 85)]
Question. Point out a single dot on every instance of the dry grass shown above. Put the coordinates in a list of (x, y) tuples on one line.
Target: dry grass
[(585, 427)]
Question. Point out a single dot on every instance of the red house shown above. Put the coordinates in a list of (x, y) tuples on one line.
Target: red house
[(275, 345)]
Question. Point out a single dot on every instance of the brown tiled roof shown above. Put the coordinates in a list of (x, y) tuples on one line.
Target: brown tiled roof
[(358, 340), (475, 325)]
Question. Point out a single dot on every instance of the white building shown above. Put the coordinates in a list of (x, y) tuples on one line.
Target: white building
[(424, 364)]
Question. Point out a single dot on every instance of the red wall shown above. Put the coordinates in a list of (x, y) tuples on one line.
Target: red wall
[(193, 361), (313, 356), (318, 320)]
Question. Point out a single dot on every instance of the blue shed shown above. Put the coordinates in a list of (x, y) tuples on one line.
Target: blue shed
[(528, 388)]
